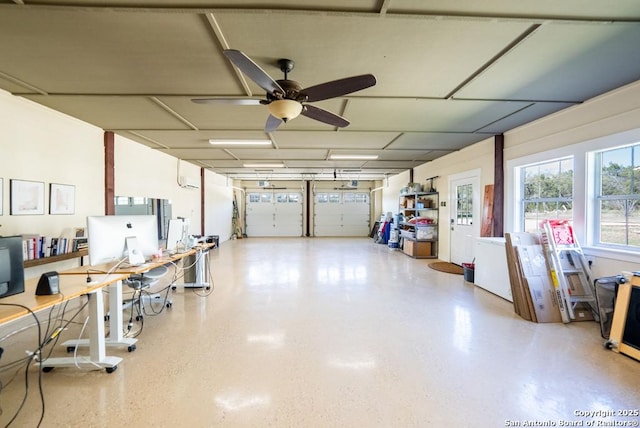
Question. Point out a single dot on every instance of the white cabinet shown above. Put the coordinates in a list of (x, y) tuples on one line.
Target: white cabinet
[(491, 270)]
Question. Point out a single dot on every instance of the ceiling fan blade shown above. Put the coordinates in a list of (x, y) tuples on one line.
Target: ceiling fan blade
[(235, 101), (253, 71), (337, 88), (325, 116), (272, 123)]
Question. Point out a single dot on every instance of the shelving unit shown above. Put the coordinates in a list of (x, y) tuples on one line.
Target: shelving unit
[(419, 240), (67, 256)]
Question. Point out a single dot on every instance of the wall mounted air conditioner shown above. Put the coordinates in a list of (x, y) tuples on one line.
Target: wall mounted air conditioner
[(188, 182)]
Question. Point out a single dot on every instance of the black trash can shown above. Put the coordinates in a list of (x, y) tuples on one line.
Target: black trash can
[(468, 270)]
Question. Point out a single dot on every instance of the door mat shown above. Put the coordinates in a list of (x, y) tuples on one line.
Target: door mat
[(447, 267)]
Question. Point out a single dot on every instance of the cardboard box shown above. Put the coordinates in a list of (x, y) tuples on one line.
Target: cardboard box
[(417, 249), (542, 293)]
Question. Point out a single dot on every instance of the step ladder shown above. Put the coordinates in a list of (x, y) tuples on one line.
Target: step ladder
[(569, 268)]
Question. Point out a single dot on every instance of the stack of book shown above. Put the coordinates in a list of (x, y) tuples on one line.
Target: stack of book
[(39, 246)]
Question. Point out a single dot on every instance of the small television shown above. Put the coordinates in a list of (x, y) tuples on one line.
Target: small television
[(11, 266), (108, 237)]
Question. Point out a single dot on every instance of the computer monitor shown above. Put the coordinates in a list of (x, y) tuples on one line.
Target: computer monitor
[(174, 234), (11, 266), (108, 236)]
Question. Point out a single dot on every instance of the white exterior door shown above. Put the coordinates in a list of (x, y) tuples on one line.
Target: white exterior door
[(341, 213), (274, 213), (464, 224)]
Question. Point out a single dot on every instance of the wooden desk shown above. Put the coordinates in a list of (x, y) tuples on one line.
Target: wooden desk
[(71, 286), (201, 267), (124, 268)]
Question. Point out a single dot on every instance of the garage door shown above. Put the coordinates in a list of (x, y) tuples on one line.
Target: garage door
[(272, 213), (341, 213)]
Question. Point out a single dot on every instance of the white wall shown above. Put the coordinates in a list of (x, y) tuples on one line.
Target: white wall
[(597, 121), (40, 144)]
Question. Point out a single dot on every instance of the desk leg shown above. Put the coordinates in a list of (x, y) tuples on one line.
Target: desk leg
[(96, 341), (116, 338), (202, 269)]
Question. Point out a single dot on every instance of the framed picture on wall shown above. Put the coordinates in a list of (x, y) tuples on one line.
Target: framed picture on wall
[(27, 197), (62, 199), (1, 195)]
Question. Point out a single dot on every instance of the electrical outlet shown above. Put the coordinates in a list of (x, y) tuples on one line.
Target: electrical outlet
[(590, 260)]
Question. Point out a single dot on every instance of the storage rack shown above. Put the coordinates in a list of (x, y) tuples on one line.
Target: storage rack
[(419, 240)]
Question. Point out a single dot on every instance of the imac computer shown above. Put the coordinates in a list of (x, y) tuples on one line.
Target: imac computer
[(114, 237), (174, 235), (11, 266)]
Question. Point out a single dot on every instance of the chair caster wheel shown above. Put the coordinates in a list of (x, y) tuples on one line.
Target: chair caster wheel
[(139, 318), (207, 288), (173, 288), (71, 348), (608, 345), (47, 369), (106, 317), (131, 348), (169, 304), (111, 369)]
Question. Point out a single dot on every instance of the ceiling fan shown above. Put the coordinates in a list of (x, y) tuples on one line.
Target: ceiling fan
[(286, 99)]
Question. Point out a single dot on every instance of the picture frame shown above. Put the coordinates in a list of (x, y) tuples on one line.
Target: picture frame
[(1, 196), (27, 197), (62, 199)]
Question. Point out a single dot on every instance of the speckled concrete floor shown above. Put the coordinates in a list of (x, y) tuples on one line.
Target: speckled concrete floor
[(327, 332)]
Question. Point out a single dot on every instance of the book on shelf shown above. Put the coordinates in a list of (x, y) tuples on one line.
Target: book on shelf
[(40, 246)]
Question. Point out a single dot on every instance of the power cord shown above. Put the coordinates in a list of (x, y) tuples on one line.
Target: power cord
[(28, 361)]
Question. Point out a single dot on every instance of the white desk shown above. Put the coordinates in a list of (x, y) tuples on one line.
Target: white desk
[(71, 286)]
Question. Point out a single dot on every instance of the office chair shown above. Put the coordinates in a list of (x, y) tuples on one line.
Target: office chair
[(144, 281)]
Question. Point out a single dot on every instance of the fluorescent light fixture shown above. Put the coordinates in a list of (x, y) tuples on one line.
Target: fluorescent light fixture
[(221, 142), (353, 157), (263, 165)]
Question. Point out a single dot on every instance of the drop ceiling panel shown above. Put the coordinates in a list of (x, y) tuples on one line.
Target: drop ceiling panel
[(363, 5), (428, 115), (435, 141), (523, 116), (199, 154), (333, 140), (505, 8), (112, 113), (563, 62), (199, 139), (106, 52), (408, 56), (283, 154)]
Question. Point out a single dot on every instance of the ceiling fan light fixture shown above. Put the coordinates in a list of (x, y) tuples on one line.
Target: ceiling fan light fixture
[(285, 109)]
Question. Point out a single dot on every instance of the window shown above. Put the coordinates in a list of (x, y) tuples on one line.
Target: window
[(547, 193), (464, 204), (617, 197)]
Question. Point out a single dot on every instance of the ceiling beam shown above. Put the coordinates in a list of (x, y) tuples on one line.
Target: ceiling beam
[(374, 14)]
